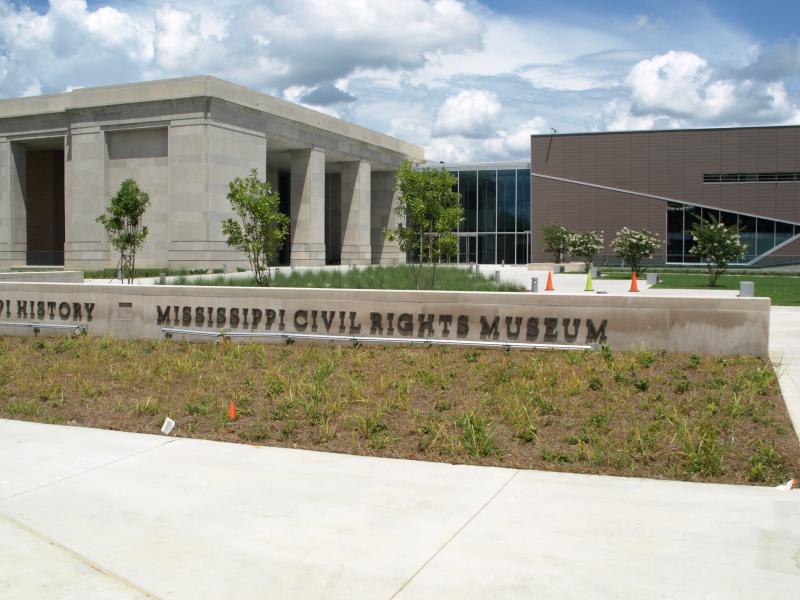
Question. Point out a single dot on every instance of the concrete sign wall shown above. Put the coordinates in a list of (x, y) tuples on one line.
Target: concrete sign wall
[(684, 324)]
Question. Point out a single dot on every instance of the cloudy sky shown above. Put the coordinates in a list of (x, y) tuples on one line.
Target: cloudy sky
[(467, 80)]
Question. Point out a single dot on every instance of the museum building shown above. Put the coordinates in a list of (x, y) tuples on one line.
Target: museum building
[(663, 180), (63, 156)]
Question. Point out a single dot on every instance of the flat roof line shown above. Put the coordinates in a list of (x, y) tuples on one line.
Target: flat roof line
[(199, 86), (633, 131)]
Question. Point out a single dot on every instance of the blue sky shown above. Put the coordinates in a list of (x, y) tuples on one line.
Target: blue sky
[(467, 80)]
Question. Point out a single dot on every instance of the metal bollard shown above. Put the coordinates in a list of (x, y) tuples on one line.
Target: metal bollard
[(497, 276), (162, 279), (534, 285), (747, 289)]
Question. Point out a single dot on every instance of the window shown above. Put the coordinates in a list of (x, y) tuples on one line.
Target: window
[(675, 232), (783, 232), (487, 200), (523, 200), (506, 200), (747, 226), (497, 215), (468, 186), (759, 235), (523, 251), (765, 239), (486, 249), (751, 177)]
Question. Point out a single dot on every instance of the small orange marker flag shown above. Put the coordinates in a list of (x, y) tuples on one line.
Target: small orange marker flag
[(232, 411), (550, 287), (634, 286)]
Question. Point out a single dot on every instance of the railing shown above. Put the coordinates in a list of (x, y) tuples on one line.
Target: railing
[(365, 339), (37, 327)]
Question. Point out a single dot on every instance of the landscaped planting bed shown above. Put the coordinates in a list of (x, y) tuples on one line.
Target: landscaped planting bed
[(645, 414), (387, 277)]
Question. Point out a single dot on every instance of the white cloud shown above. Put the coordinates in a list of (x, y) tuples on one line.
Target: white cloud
[(500, 145), (460, 79), (683, 88), (177, 37), (470, 113)]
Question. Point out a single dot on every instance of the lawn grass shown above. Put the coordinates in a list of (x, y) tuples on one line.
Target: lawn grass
[(644, 414), (784, 290), (389, 277)]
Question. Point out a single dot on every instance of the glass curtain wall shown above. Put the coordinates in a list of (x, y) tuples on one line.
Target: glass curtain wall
[(497, 211), (759, 235)]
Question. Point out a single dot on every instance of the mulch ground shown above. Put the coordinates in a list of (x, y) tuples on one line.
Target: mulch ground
[(642, 414)]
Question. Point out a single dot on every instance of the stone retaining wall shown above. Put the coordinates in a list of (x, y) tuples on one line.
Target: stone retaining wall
[(631, 322)]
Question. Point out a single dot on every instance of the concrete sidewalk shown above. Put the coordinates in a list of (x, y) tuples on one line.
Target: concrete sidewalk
[(101, 514), (784, 352)]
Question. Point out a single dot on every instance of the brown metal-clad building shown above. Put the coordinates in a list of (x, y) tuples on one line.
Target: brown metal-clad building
[(661, 180)]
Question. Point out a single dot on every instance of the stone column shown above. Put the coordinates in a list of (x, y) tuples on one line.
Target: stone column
[(5, 203), (355, 214), (86, 190), (384, 203), (308, 208)]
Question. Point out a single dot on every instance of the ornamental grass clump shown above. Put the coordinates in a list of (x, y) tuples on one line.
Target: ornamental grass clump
[(716, 245)]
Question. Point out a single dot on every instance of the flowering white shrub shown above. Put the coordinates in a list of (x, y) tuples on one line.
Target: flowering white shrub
[(716, 245), (586, 246), (633, 246)]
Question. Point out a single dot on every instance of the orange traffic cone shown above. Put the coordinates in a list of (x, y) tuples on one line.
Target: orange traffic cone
[(550, 287), (634, 286), (232, 411)]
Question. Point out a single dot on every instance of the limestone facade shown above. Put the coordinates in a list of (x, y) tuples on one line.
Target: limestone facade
[(183, 140)]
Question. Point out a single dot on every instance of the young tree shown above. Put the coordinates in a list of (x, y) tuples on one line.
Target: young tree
[(429, 211), (556, 240), (263, 226), (586, 246), (716, 245), (123, 224), (634, 246)]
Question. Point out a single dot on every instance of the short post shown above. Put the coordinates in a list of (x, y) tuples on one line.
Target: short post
[(747, 289), (534, 285), (162, 279), (497, 276), (503, 262), (225, 267)]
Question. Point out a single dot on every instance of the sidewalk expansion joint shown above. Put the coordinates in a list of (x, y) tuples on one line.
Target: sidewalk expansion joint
[(452, 537), (89, 470), (77, 556)]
